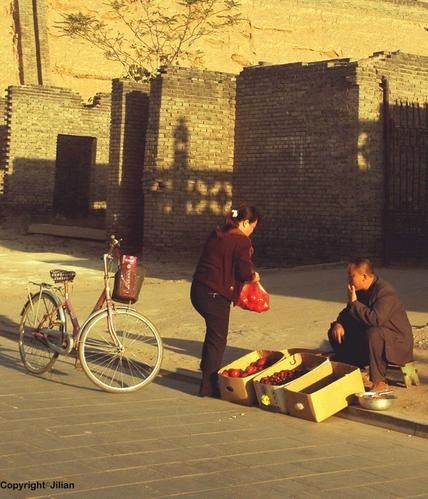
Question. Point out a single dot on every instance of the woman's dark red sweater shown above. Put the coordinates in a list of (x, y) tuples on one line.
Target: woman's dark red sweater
[(225, 262)]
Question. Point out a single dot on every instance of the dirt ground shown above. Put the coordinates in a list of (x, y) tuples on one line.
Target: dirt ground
[(303, 302)]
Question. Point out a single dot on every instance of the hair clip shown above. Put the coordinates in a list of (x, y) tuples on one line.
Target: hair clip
[(234, 213)]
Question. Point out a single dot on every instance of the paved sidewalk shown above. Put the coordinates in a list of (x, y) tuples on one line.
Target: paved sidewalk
[(62, 437), (303, 303)]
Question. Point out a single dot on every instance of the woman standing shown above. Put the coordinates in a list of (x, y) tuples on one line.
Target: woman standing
[(224, 266)]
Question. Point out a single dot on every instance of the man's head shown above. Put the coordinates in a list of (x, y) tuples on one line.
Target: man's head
[(360, 273)]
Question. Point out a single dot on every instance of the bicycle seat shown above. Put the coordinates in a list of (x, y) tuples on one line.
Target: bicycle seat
[(59, 275)]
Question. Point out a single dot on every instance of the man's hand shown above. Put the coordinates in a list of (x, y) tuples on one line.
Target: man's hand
[(352, 294), (338, 332)]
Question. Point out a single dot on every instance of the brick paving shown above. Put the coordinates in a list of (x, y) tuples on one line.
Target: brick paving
[(164, 441)]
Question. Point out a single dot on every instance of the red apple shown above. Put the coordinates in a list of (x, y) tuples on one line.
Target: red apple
[(234, 373), (261, 362), (251, 369)]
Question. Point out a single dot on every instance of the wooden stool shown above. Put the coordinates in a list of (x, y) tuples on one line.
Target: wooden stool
[(409, 373)]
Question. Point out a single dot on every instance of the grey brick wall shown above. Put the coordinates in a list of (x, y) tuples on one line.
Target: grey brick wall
[(35, 117), (187, 179), (309, 153), (295, 158), (407, 77), (125, 201), (303, 142)]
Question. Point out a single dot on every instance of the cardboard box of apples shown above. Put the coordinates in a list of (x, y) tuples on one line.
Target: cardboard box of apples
[(299, 382), (235, 379), (269, 385)]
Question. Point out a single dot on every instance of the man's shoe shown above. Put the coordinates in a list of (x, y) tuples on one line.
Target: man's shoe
[(379, 386)]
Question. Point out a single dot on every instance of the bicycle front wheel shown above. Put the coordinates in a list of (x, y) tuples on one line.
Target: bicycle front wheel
[(41, 313), (126, 367)]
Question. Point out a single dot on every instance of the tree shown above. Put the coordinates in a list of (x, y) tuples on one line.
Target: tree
[(147, 34)]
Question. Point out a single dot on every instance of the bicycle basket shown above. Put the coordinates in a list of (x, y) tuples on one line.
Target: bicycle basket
[(128, 281)]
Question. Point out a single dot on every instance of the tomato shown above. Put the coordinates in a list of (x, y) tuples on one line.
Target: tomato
[(225, 373)]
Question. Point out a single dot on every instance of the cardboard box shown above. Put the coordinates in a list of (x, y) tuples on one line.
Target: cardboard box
[(272, 397), (241, 390), (319, 395)]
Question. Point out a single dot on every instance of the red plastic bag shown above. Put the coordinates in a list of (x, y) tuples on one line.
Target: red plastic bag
[(253, 297)]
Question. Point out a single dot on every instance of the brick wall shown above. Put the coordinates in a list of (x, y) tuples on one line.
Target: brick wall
[(303, 142), (312, 137), (35, 117), (295, 158), (187, 179), (127, 143), (407, 78)]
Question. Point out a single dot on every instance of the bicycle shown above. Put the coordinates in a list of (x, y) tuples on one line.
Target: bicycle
[(119, 349)]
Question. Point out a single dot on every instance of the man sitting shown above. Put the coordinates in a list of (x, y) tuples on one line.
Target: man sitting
[(373, 329)]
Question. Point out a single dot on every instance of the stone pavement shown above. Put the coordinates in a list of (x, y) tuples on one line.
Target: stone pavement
[(62, 437), (303, 303)]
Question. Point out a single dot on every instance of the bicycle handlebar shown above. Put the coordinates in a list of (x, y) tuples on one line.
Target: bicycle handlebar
[(114, 243)]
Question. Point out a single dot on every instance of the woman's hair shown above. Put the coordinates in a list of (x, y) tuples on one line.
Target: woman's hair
[(232, 219)]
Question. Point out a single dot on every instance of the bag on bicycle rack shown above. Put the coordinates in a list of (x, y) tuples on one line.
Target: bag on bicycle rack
[(128, 280)]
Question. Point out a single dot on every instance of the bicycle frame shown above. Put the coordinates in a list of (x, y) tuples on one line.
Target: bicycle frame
[(104, 302)]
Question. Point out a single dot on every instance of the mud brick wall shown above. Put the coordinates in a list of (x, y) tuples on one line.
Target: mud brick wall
[(124, 216), (279, 31), (32, 42), (407, 78), (295, 159), (187, 179), (35, 117)]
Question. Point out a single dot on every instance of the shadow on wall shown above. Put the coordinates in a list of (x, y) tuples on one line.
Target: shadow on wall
[(310, 152), (3, 130), (296, 157), (31, 187), (207, 192), (187, 202), (127, 216), (406, 159), (322, 202)]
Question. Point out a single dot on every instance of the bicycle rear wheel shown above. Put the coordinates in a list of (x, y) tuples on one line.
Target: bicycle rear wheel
[(126, 368), (41, 312)]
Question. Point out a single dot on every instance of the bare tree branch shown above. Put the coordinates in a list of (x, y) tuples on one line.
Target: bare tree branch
[(146, 34)]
